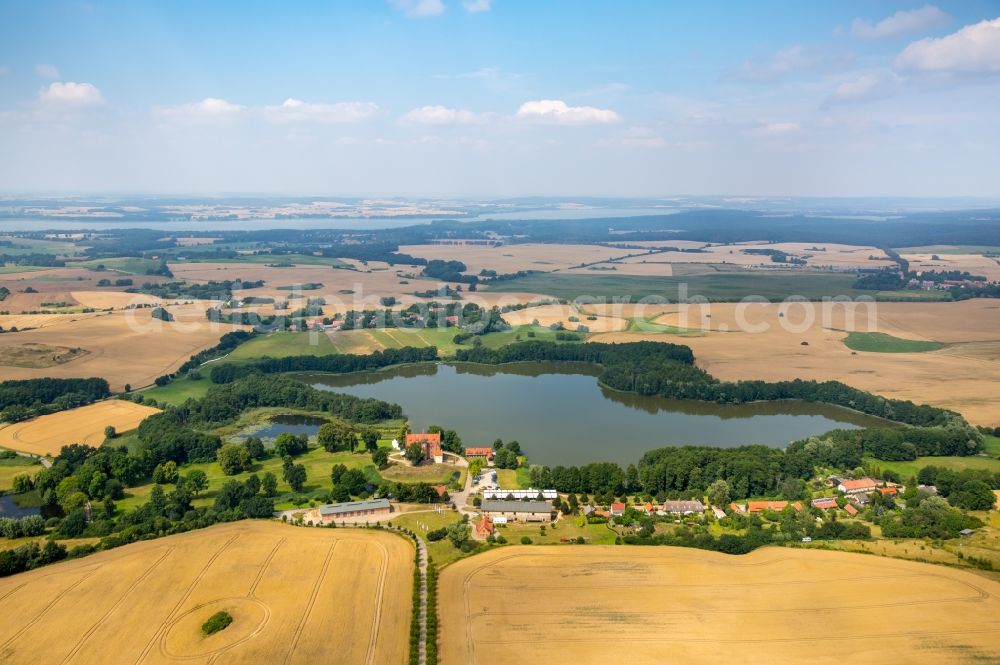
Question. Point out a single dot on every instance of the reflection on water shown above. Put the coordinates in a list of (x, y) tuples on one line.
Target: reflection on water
[(562, 415), (8, 508), (284, 423)]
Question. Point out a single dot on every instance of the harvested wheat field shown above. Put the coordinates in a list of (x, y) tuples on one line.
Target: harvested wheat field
[(653, 605), (756, 342), (296, 595), (511, 258), (123, 347), (45, 435)]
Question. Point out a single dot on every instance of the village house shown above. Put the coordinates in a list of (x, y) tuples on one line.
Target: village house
[(850, 510), (617, 509), (484, 527), (737, 507), (718, 512), (683, 507), (825, 503), (440, 489), (500, 511), (337, 511), (430, 444), (479, 453), (859, 486)]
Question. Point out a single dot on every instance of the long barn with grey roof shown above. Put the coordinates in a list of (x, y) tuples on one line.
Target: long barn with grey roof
[(521, 511), (350, 509)]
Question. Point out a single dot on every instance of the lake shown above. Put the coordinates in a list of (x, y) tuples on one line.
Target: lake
[(9, 508), (561, 415), (283, 424)]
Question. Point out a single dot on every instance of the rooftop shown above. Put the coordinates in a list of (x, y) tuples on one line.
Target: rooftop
[(354, 506), (503, 506)]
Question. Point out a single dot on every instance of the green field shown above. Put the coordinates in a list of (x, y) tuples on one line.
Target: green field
[(130, 265), (910, 468), (992, 444), (181, 389), (723, 287), (317, 461), (15, 466), (205, 255), (873, 342), (950, 249), (282, 344), (915, 296)]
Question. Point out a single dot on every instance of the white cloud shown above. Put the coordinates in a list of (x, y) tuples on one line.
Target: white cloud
[(475, 6), (440, 115), (903, 22), (70, 94), (296, 110), (973, 49), (777, 129), (208, 109), (871, 85), (418, 8), (47, 72), (792, 60), (557, 112)]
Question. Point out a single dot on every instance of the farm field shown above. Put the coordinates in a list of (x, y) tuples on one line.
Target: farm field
[(296, 595), (512, 605), (45, 435), (786, 348), (910, 468), (125, 347), (873, 342), (512, 258), (178, 391), (729, 286), (16, 466)]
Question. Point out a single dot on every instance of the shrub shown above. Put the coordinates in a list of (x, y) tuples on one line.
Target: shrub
[(218, 621), (525, 540)]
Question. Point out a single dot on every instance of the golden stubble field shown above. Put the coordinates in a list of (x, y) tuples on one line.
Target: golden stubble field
[(963, 376), (124, 347), (297, 595), (45, 435), (651, 605)]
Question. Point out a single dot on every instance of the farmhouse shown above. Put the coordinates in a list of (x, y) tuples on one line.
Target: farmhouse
[(850, 510), (336, 511), (521, 511), (737, 507), (479, 453), (761, 506), (530, 493), (825, 503), (430, 444), (683, 507), (617, 509), (484, 527), (859, 486), (718, 512)]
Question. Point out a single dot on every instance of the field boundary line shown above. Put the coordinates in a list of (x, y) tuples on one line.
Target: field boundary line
[(377, 619), (263, 568), (312, 601), (187, 594), (48, 607), (79, 644)]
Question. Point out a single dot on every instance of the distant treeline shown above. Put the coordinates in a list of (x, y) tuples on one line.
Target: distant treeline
[(334, 364), (667, 370), (22, 399)]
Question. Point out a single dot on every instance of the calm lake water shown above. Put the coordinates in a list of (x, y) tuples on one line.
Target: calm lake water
[(281, 424), (561, 415), (9, 508)]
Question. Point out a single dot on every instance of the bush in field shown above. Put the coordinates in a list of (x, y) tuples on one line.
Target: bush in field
[(218, 621)]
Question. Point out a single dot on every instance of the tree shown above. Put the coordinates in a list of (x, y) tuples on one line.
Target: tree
[(337, 435), (23, 483), (380, 457), (973, 495), (295, 476), (109, 432), (196, 481), (269, 486), (165, 473), (255, 447), (370, 437), (157, 500), (234, 458), (414, 454), (458, 533), (287, 444), (718, 493)]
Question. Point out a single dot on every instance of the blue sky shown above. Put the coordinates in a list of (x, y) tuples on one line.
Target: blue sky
[(501, 97)]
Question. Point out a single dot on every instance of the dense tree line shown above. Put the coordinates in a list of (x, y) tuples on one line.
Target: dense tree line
[(334, 363), (23, 398), (971, 489), (227, 343)]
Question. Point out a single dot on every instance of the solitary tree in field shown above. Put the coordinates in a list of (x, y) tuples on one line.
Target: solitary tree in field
[(196, 481), (380, 457), (269, 485), (295, 476), (370, 437), (109, 432), (234, 458)]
